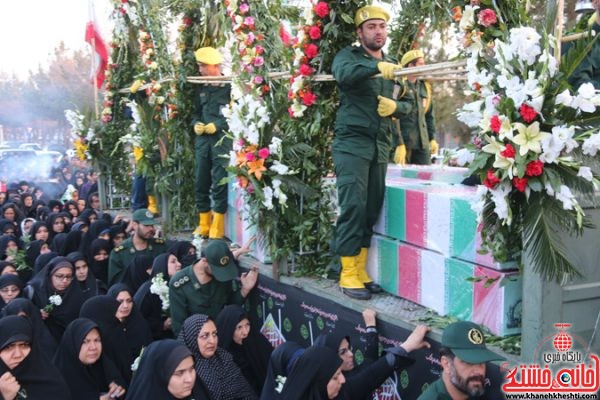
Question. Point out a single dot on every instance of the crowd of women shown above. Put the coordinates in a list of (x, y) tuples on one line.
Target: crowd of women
[(64, 334)]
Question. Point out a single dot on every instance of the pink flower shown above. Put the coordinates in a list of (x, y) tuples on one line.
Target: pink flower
[(259, 61), (487, 17), (244, 8), (291, 112), (322, 9), (305, 70), (291, 95), (309, 98), (249, 22), (250, 39), (250, 157), (258, 80), (259, 49), (241, 143), (311, 51), (264, 153), (314, 32)]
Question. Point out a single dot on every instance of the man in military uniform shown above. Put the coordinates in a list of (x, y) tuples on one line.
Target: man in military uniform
[(416, 142), (362, 144), (463, 356), (208, 285), (142, 242), (210, 146)]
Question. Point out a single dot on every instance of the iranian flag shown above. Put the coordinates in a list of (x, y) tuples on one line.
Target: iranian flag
[(94, 39)]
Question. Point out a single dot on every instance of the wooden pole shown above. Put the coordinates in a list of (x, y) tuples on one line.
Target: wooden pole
[(560, 14)]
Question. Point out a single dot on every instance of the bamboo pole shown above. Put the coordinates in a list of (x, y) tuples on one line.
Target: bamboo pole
[(560, 14), (576, 36)]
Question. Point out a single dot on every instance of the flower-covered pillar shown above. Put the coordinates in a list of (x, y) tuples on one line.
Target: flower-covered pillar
[(533, 151)]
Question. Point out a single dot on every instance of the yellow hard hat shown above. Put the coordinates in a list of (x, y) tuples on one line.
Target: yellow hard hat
[(411, 55), (208, 55), (370, 12)]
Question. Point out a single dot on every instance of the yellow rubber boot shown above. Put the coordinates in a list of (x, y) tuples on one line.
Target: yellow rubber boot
[(349, 282), (152, 205), (203, 224), (217, 227), (363, 276)]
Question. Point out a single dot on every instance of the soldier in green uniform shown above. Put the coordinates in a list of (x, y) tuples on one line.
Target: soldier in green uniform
[(362, 144), (416, 142), (463, 356), (142, 242), (209, 284), (210, 146)]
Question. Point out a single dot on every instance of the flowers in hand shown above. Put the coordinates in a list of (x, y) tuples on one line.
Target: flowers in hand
[(160, 288), (280, 380), (53, 301)]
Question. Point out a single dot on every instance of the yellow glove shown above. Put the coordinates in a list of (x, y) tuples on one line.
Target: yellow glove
[(386, 106), (433, 146), (210, 128), (199, 128), (387, 69), (400, 155)]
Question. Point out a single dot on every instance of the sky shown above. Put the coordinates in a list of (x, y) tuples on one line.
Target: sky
[(31, 29)]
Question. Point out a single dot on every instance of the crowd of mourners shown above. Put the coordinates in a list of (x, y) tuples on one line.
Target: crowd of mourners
[(71, 328)]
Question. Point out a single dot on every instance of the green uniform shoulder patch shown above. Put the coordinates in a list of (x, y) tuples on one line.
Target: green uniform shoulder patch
[(181, 281), (159, 240), (118, 249)]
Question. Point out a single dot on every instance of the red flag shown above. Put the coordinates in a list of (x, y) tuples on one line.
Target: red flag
[(92, 36)]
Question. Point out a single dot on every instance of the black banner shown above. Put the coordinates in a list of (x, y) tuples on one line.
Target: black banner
[(286, 312)]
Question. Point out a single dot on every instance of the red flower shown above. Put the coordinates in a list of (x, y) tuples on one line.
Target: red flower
[(305, 70), (187, 21), (322, 9), (492, 180), (520, 183), (311, 51), (309, 98), (534, 168), (291, 112), (314, 32), (284, 35), (495, 124), (509, 152), (487, 17), (528, 113)]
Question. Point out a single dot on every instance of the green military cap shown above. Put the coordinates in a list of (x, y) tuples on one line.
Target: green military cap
[(143, 216), (466, 341), (221, 260)]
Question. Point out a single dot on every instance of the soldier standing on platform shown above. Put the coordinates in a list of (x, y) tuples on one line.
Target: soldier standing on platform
[(417, 142), (362, 144), (142, 242), (210, 146)]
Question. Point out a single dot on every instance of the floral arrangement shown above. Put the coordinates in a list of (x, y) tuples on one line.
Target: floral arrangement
[(82, 133), (53, 301), (532, 148), (256, 160), (280, 383), (306, 51), (160, 287), (136, 363)]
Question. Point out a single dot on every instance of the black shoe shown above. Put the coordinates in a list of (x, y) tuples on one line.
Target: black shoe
[(373, 287), (358, 293)]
